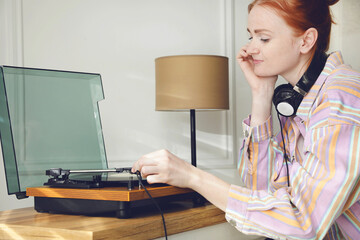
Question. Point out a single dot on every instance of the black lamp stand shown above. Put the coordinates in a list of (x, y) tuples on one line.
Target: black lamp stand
[(193, 137)]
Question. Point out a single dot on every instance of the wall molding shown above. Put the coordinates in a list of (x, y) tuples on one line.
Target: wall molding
[(229, 51), (336, 41), (230, 12), (13, 33)]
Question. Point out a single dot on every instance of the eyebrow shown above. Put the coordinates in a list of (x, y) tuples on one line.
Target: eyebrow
[(259, 30)]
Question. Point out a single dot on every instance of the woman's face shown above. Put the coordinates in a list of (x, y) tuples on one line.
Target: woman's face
[(272, 44)]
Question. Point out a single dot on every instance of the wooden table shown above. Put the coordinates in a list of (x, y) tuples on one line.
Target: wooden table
[(146, 223)]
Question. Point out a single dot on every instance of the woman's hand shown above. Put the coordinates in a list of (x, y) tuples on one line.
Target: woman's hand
[(257, 83), (164, 167), (262, 87)]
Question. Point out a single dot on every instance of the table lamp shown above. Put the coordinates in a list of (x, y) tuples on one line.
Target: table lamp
[(192, 82)]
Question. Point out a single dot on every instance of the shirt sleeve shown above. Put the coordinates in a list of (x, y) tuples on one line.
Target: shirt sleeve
[(320, 189), (258, 154)]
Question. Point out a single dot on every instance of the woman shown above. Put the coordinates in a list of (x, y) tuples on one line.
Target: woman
[(304, 182)]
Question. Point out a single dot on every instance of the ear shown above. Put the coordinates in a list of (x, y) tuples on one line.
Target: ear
[(309, 39)]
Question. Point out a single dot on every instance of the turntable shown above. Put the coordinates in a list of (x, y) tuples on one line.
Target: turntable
[(53, 147)]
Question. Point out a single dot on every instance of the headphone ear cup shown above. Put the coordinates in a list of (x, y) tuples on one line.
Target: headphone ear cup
[(283, 100), (286, 99)]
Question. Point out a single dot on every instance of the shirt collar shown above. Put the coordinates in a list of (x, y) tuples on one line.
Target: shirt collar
[(334, 60)]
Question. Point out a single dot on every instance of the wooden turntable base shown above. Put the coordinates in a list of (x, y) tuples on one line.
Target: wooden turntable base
[(107, 193), (100, 201)]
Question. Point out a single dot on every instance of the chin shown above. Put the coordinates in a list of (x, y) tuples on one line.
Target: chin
[(262, 70), (264, 73)]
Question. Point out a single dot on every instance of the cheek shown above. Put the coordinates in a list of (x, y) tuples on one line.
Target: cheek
[(270, 67), (276, 61)]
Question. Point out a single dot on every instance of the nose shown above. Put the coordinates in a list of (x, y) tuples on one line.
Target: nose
[(252, 48)]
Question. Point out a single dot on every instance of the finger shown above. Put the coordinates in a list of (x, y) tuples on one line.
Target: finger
[(244, 58), (241, 55), (242, 52), (158, 154), (134, 167), (155, 178), (143, 161), (149, 170)]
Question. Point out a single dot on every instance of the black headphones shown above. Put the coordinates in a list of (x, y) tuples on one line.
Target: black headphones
[(287, 98)]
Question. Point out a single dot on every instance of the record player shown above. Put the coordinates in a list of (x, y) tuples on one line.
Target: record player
[(53, 146)]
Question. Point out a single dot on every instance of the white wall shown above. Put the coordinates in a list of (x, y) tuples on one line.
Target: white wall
[(11, 54), (120, 40), (350, 27)]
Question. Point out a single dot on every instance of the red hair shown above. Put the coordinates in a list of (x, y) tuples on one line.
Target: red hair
[(301, 15)]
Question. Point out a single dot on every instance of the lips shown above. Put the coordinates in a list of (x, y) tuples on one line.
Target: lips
[(255, 61)]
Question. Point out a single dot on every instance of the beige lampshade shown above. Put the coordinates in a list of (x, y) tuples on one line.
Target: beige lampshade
[(192, 82)]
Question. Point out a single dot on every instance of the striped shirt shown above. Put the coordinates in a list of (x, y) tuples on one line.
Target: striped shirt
[(323, 142)]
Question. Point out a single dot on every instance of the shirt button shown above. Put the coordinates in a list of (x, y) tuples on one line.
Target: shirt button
[(246, 133), (232, 222)]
